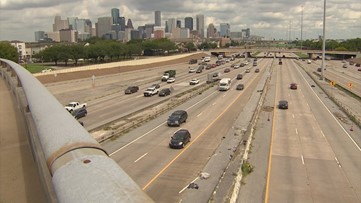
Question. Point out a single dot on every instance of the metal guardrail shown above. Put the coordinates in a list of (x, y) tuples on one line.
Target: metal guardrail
[(79, 169)]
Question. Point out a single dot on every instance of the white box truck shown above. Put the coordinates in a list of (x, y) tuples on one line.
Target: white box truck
[(224, 84)]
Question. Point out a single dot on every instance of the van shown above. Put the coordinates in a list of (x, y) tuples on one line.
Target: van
[(224, 84)]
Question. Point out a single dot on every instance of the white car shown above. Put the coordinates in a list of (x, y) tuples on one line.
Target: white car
[(171, 80), (236, 66), (192, 70), (46, 70), (194, 81)]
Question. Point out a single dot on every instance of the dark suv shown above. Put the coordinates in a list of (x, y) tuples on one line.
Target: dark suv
[(180, 139), (131, 89), (177, 118), (283, 104)]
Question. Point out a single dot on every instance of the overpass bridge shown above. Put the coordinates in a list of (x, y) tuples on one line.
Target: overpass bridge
[(50, 157), (311, 53)]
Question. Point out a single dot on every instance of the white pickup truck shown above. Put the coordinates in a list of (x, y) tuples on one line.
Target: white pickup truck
[(152, 90), (74, 106)]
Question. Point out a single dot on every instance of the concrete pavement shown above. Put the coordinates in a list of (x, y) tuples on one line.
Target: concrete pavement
[(19, 179)]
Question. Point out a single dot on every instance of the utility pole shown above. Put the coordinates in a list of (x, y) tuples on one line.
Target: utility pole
[(323, 40), (301, 25)]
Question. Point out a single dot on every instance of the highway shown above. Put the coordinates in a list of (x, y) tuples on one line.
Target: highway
[(303, 137), (308, 148), (302, 154)]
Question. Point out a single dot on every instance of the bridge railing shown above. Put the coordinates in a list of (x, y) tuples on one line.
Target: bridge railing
[(74, 167)]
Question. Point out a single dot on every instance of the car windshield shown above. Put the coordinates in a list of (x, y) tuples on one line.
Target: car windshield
[(178, 136)]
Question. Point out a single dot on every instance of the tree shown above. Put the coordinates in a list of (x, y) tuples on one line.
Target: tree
[(7, 51)]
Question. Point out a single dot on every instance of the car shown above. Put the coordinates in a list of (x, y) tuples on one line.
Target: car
[(308, 61), (283, 104), (192, 70), (257, 70), (319, 69), (248, 70), (171, 80), (131, 89), (46, 70), (357, 65), (293, 86), (164, 92), (79, 113), (180, 139), (359, 69), (208, 66), (227, 70), (177, 118), (235, 66), (344, 65), (239, 77), (194, 81), (240, 87), (242, 64)]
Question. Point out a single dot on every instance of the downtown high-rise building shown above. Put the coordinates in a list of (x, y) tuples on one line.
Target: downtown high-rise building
[(225, 30), (115, 16), (157, 18), (39, 35), (188, 23), (60, 24), (103, 26), (200, 25), (211, 31), (171, 24)]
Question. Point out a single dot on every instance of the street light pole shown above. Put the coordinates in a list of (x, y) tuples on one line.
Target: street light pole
[(301, 26), (323, 40)]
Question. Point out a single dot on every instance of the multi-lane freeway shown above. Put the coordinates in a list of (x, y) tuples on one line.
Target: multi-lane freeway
[(306, 153)]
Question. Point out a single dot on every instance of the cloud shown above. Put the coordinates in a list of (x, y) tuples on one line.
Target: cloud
[(20, 18)]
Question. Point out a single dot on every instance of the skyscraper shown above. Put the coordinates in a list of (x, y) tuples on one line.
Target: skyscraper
[(200, 25), (171, 24), (188, 23), (157, 18), (211, 31), (103, 26), (179, 24), (115, 16), (39, 35), (130, 24), (60, 24), (225, 30)]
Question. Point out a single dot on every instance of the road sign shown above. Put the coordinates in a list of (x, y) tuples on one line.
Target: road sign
[(349, 85), (332, 83)]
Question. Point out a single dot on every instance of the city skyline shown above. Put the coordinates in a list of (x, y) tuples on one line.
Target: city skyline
[(267, 19)]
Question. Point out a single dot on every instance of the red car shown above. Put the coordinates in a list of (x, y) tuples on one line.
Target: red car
[(293, 86)]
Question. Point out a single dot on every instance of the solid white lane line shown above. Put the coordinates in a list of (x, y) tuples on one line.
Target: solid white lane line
[(141, 157), (322, 133), (344, 130), (199, 114), (214, 104), (187, 185), (338, 163), (293, 115), (303, 161), (296, 131)]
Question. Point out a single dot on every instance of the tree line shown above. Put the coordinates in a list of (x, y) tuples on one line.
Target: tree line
[(331, 45)]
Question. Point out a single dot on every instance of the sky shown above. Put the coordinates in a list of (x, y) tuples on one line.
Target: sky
[(271, 19)]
